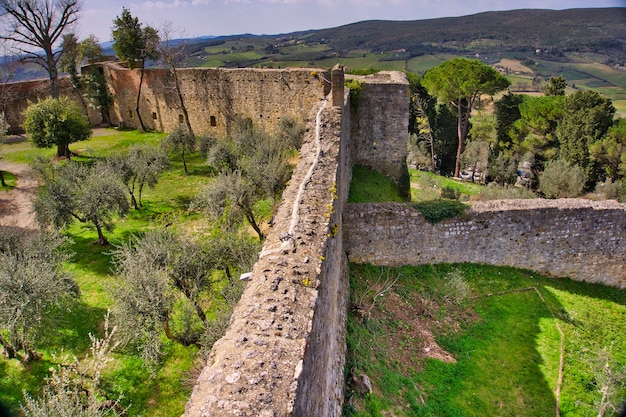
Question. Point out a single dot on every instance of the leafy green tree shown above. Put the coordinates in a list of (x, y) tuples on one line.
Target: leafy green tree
[(587, 117), (535, 130), (75, 53), (419, 122), (134, 44), (32, 284), (461, 82), (475, 157), (556, 86), (34, 25), (97, 94), (503, 170), (180, 140), (75, 191), (560, 179), (57, 122), (507, 112), (610, 151)]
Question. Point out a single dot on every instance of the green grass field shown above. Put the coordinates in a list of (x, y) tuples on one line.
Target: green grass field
[(500, 326)]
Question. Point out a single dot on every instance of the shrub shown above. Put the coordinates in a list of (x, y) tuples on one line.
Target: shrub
[(355, 92), (493, 191), (611, 190), (560, 179), (435, 211), (450, 193)]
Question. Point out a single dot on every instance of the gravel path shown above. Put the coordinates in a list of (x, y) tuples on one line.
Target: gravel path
[(16, 204)]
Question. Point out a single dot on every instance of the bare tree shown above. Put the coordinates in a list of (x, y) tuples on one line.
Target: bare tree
[(32, 25)]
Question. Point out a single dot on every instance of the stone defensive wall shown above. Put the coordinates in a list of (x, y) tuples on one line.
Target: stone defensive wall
[(283, 353), (214, 97), (379, 129), (581, 239)]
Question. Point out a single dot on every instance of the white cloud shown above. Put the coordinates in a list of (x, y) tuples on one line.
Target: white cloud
[(176, 4)]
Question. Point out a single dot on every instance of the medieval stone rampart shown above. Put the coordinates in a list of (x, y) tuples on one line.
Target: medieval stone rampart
[(380, 123), (283, 353), (15, 98), (576, 238), (214, 97)]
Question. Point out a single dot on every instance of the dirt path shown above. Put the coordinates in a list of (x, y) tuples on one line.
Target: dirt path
[(16, 204)]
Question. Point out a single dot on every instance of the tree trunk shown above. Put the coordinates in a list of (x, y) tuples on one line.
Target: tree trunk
[(102, 240), (183, 107), (133, 200), (9, 350), (142, 126), (182, 156), (255, 226), (54, 75), (459, 149), (63, 150)]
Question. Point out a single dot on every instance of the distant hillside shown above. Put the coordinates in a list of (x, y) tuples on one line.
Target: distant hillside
[(582, 30)]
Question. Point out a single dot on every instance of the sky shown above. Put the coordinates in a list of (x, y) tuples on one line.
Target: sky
[(195, 18)]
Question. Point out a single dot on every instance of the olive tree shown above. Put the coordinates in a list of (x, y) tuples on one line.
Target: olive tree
[(32, 284), (141, 167), (560, 179), (228, 199), (89, 194), (254, 166), (180, 140), (167, 279), (56, 122)]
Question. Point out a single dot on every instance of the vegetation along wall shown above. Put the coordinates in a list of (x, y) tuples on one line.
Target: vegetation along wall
[(15, 98), (581, 239)]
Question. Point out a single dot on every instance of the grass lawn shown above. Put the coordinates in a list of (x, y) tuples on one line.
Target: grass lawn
[(469, 340), (370, 186), (166, 393)]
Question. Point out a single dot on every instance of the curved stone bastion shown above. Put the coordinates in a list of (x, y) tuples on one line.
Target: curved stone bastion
[(581, 239)]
